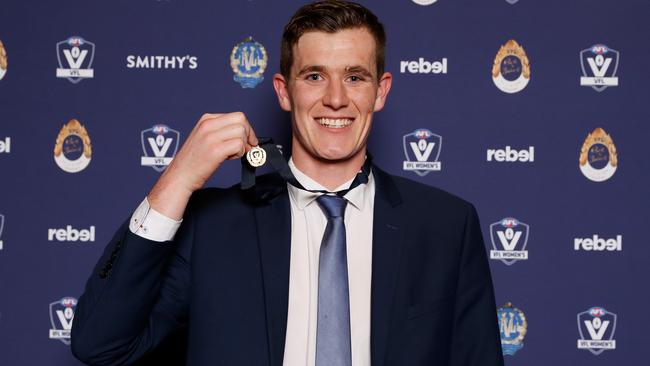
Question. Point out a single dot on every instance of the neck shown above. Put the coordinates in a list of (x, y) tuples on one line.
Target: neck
[(329, 174)]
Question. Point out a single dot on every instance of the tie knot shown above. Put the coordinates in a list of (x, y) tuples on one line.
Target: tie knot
[(334, 206)]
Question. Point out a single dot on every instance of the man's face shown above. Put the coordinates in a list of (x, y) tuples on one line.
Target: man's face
[(332, 93)]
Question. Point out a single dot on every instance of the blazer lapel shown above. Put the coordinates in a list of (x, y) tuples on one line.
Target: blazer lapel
[(273, 219), (386, 250)]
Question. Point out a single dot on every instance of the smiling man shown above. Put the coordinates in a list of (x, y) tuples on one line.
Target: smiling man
[(332, 263)]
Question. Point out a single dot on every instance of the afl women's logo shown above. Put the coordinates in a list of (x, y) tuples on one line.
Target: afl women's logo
[(598, 157), (248, 61), (511, 68), (72, 151), (3, 60)]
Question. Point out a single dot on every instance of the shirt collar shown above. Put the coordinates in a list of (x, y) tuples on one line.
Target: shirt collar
[(303, 198)]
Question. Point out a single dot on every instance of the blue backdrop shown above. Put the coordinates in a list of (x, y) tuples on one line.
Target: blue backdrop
[(575, 79)]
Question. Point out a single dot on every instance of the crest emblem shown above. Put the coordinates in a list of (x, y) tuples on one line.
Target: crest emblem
[(513, 327), (61, 317), (159, 144), (599, 65), (72, 150), (596, 327), (422, 151), (75, 56), (256, 156), (598, 157), (511, 68), (248, 60), (509, 238), (3, 60)]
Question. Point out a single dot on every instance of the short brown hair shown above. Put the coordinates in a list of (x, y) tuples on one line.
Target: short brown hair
[(330, 16)]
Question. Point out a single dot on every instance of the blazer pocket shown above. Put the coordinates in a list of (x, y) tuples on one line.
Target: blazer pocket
[(424, 308)]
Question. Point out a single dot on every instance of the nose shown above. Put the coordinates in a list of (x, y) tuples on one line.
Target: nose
[(336, 96)]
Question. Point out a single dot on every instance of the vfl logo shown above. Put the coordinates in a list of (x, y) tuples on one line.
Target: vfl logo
[(156, 144), (512, 2), (602, 63), (513, 327), (422, 151), (598, 157), (61, 317), (512, 236), (248, 61), (2, 224), (3, 61), (78, 55), (599, 325)]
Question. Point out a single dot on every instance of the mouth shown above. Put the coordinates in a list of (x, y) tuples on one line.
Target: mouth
[(334, 122)]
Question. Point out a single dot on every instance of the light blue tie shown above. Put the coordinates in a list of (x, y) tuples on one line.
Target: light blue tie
[(333, 331)]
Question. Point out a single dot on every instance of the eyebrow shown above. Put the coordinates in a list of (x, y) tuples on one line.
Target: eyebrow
[(319, 68)]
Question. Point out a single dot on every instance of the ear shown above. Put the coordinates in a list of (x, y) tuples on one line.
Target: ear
[(281, 87), (385, 83)]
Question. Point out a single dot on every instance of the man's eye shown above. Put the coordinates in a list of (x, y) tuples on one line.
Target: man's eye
[(313, 77), (355, 78)]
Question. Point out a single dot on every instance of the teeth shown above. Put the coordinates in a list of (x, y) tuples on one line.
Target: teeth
[(334, 123)]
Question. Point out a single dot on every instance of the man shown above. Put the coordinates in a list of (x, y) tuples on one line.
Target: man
[(285, 274)]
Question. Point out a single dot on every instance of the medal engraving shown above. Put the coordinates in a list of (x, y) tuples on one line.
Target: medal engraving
[(256, 157)]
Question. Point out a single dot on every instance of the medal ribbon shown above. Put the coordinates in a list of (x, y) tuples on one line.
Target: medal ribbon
[(280, 165)]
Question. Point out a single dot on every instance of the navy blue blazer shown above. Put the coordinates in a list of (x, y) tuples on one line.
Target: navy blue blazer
[(225, 279)]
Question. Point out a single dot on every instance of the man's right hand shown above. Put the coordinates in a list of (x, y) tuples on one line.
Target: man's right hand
[(215, 138)]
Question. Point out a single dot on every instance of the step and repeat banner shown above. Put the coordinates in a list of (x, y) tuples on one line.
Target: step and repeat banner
[(536, 111)]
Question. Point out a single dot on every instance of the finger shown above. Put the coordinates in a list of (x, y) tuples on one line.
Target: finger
[(234, 148)]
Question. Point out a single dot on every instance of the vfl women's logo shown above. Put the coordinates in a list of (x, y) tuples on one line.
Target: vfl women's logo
[(422, 151), (78, 55), (511, 68), (599, 64), (61, 317), (3, 61), (72, 150), (509, 238), (248, 60), (513, 327), (596, 327), (156, 144), (598, 157)]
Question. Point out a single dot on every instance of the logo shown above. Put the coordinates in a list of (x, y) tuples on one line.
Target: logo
[(162, 62), (70, 234), (511, 235), (423, 67), (422, 151), (599, 64), (511, 69), (2, 224), (248, 61), (3, 60), (72, 151), (511, 155), (424, 2), (599, 244), (5, 146), (598, 158), (512, 2), (156, 143), (513, 327), (61, 316), (596, 327), (78, 55)]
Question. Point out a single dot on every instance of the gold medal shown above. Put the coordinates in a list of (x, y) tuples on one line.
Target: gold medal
[(256, 157)]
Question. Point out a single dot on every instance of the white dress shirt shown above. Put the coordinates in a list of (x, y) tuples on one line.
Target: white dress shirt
[(308, 224)]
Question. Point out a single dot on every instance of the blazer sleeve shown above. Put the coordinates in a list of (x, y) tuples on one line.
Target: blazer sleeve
[(136, 296), (476, 339)]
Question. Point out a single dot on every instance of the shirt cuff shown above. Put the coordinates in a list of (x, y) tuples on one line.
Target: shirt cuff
[(150, 224)]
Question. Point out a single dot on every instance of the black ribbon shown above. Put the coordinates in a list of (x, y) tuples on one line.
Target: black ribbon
[(280, 165)]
